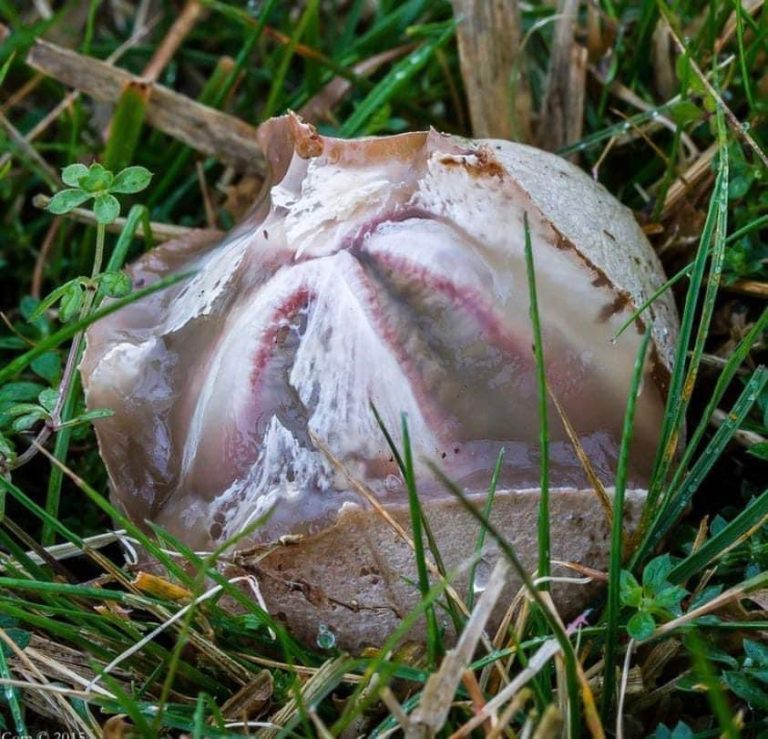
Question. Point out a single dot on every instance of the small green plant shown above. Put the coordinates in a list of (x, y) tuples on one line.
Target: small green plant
[(749, 680), (26, 415), (75, 297), (680, 731), (656, 598), (749, 557), (59, 407), (99, 184)]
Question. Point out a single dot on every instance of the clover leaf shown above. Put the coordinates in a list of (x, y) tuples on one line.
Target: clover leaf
[(101, 185), (656, 597)]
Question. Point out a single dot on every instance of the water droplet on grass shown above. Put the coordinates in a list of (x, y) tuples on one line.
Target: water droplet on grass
[(482, 573), (326, 639)]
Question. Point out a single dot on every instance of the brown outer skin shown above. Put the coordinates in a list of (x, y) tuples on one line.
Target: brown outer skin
[(358, 577)]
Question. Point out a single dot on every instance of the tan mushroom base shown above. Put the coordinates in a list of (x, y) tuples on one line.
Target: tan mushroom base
[(357, 578)]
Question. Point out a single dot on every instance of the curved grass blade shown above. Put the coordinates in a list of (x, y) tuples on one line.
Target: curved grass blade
[(12, 697), (644, 306), (278, 83), (683, 371), (72, 390), (434, 642), (734, 362), (709, 678), (379, 666)]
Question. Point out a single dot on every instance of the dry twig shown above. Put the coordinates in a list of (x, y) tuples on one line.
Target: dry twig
[(42, 125), (489, 35), (437, 697), (562, 110), (159, 232), (199, 126)]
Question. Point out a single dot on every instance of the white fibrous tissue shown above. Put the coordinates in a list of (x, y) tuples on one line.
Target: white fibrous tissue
[(388, 272)]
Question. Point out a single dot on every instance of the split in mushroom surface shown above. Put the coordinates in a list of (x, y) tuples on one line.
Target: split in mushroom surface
[(386, 271)]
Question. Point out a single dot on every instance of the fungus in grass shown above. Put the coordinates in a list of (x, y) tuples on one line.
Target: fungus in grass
[(388, 271)]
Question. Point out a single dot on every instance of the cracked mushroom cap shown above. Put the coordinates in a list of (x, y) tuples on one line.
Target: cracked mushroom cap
[(388, 271)]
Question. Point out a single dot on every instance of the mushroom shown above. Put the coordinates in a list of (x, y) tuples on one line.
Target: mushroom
[(386, 271)]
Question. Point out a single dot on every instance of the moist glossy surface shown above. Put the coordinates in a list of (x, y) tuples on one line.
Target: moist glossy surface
[(386, 271)]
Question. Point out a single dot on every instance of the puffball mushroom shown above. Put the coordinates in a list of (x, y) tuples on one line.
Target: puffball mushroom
[(386, 271)]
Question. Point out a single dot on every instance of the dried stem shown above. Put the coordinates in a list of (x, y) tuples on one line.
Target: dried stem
[(489, 36), (159, 231), (203, 128)]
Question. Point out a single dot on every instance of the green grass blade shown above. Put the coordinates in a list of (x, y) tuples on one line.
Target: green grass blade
[(676, 504), (392, 23), (388, 437), (683, 372), (67, 332), (431, 541), (647, 304), (219, 94), (434, 642), (544, 566), (752, 517), (40, 512), (450, 603), (720, 198), (206, 569), (157, 553), (480, 542), (276, 91), (746, 77), (6, 66), (754, 225), (129, 706), (405, 70), (64, 435), (632, 122), (379, 666), (126, 127), (137, 215), (734, 362), (713, 688), (60, 450), (78, 591), (30, 567), (199, 726), (569, 656), (617, 533), (12, 696)]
